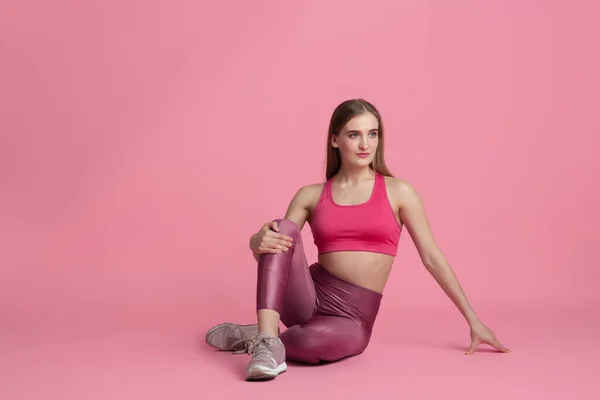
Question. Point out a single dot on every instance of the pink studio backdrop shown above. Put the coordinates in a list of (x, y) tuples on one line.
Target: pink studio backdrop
[(142, 143)]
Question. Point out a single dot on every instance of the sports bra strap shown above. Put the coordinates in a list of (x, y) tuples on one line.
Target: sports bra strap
[(379, 184)]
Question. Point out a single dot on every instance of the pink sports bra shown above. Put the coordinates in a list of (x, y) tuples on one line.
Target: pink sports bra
[(369, 226)]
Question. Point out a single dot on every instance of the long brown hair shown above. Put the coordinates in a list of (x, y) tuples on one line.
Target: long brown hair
[(343, 113)]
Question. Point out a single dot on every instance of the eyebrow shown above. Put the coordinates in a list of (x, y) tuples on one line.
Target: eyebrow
[(370, 130)]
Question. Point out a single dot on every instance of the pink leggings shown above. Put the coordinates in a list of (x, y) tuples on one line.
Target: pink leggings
[(327, 318)]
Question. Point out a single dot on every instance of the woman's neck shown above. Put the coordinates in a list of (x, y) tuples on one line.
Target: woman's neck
[(354, 176)]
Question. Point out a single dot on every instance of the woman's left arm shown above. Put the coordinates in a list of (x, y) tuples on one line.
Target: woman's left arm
[(412, 213)]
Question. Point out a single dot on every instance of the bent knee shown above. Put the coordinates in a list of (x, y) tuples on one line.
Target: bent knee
[(287, 227)]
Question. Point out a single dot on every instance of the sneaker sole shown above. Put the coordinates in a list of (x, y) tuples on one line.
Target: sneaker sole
[(257, 373)]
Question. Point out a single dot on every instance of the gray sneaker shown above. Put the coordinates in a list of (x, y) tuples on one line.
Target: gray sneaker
[(268, 358), (232, 337)]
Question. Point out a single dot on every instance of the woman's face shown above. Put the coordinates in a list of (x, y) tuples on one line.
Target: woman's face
[(358, 140)]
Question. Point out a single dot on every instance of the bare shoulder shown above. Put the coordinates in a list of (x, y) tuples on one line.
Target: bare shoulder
[(401, 191), (302, 205), (308, 195)]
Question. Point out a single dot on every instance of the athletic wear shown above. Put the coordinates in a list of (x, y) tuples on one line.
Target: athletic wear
[(369, 226), (328, 318)]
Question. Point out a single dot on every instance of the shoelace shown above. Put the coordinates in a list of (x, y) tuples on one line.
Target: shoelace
[(241, 345), (261, 347)]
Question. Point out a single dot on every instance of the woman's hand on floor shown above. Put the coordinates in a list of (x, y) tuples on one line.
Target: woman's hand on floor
[(482, 334)]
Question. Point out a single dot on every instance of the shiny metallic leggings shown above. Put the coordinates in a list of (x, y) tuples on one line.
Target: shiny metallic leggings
[(327, 318)]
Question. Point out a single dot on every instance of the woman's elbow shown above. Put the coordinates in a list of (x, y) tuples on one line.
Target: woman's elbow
[(433, 260)]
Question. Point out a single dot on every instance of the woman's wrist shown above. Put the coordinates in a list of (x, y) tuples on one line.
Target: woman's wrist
[(471, 318)]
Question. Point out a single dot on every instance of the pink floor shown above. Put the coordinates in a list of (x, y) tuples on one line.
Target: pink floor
[(555, 356)]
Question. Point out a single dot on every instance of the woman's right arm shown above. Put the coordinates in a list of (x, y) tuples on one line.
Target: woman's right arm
[(268, 239)]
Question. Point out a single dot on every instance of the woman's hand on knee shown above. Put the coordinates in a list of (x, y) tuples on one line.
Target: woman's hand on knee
[(269, 240)]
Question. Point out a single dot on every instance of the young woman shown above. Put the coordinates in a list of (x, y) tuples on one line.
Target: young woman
[(356, 217)]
